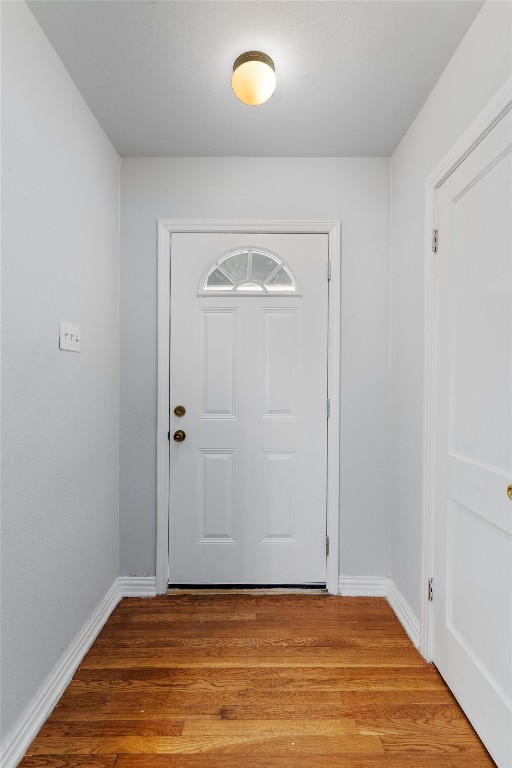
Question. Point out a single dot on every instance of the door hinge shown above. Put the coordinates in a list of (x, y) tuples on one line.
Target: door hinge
[(326, 545), (430, 590), (435, 235), (328, 407), (328, 270)]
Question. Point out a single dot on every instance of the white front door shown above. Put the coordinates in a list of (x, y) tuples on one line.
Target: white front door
[(472, 642), (248, 356)]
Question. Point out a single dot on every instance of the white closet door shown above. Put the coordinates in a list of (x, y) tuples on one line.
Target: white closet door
[(473, 467)]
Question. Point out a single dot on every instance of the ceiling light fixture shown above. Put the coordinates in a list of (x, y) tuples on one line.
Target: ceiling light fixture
[(254, 78)]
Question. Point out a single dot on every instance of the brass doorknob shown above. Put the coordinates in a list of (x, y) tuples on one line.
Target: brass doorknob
[(179, 436), (180, 410), (509, 492)]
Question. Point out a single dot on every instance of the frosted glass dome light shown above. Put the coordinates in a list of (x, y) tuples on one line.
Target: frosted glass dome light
[(254, 78)]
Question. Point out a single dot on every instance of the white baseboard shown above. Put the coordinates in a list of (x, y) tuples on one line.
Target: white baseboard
[(137, 586), (404, 613), (17, 742), (382, 586), (363, 586)]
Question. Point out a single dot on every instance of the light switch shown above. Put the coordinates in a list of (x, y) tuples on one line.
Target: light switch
[(69, 337)]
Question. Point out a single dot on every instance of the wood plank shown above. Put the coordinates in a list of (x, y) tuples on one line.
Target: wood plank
[(296, 760), (68, 761), (162, 640), (299, 726), (194, 619), (328, 711), (270, 678), (238, 600), (296, 704), (231, 743), (115, 712), (429, 745), (168, 702), (239, 657), (434, 727), (106, 728)]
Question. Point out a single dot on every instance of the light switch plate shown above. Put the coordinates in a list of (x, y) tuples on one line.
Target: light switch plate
[(69, 337)]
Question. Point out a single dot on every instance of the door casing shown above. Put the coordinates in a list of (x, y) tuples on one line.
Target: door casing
[(166, 227), (478, 130)]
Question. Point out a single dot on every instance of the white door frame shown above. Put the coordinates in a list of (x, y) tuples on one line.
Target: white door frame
[(165, 229), (478, 130)]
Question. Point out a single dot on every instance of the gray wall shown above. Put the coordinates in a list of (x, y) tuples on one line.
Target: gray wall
[(477, 70), (60, 409), (354, 190)]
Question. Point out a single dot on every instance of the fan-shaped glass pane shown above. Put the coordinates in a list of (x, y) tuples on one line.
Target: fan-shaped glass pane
[(282, 281), (262, 266), (237, 265), (218, 280), (249, 287), (249, 271)]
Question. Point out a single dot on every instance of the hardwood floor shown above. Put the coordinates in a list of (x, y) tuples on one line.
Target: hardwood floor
[(274, 681)]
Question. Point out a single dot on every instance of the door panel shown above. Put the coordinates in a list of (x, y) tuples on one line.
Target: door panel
[(473, 461), (279, 496), (217, 364), (281, 369), (248, 484), (217, 495)]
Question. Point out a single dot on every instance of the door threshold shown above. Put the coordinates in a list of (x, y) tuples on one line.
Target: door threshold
[(248, 589)]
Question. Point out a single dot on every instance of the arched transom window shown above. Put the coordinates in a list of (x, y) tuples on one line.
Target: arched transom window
[(249, 271)]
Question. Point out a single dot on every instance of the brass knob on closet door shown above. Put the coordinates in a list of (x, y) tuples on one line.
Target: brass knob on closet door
[(509, 492), (179, 436)]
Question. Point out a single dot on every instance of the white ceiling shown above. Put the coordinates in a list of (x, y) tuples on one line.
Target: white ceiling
[(351, 76)]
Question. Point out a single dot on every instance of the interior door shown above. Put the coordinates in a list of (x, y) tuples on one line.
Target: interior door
[(473, 463), (248, 480)]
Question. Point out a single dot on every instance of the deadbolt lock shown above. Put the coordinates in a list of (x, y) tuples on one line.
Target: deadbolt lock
[(509, 492), (180, 410), (179, 436)]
